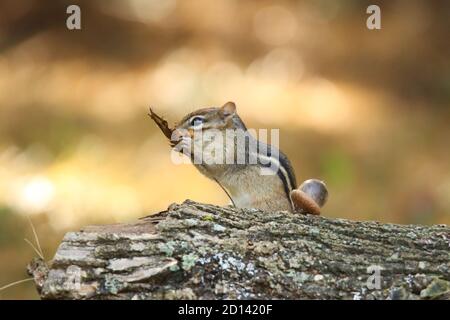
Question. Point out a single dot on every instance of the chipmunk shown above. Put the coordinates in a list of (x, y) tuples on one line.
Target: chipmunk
[(243, 182)]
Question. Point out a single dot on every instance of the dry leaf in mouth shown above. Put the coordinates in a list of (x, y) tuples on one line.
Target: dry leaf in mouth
[(162, 124)]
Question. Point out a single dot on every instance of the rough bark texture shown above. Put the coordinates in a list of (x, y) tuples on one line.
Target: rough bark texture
[(199, 251)]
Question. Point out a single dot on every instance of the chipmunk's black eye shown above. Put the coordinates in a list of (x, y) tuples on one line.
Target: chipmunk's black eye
[(197, 121)]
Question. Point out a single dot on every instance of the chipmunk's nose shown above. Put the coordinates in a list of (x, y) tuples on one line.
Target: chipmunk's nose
[(178, 135)]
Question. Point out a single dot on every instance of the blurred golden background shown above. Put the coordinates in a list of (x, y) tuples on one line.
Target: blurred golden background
[(366, 111)]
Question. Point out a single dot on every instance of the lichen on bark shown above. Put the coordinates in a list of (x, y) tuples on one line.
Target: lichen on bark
[(200, 251)]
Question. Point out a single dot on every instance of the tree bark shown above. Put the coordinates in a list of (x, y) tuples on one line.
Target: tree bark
[(199, 251)]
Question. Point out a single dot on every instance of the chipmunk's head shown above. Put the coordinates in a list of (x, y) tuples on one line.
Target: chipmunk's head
[(205, 134), (206, 119)]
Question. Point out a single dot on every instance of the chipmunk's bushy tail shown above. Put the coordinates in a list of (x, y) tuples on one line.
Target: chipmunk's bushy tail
[(310, 197)]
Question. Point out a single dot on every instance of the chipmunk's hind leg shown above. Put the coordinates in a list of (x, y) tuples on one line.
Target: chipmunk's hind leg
[(310, 197)]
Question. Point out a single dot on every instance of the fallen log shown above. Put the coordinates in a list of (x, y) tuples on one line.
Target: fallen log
[(200, 251)]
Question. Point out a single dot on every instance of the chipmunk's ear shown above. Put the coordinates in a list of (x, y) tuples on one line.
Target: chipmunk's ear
[(228, 109)]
